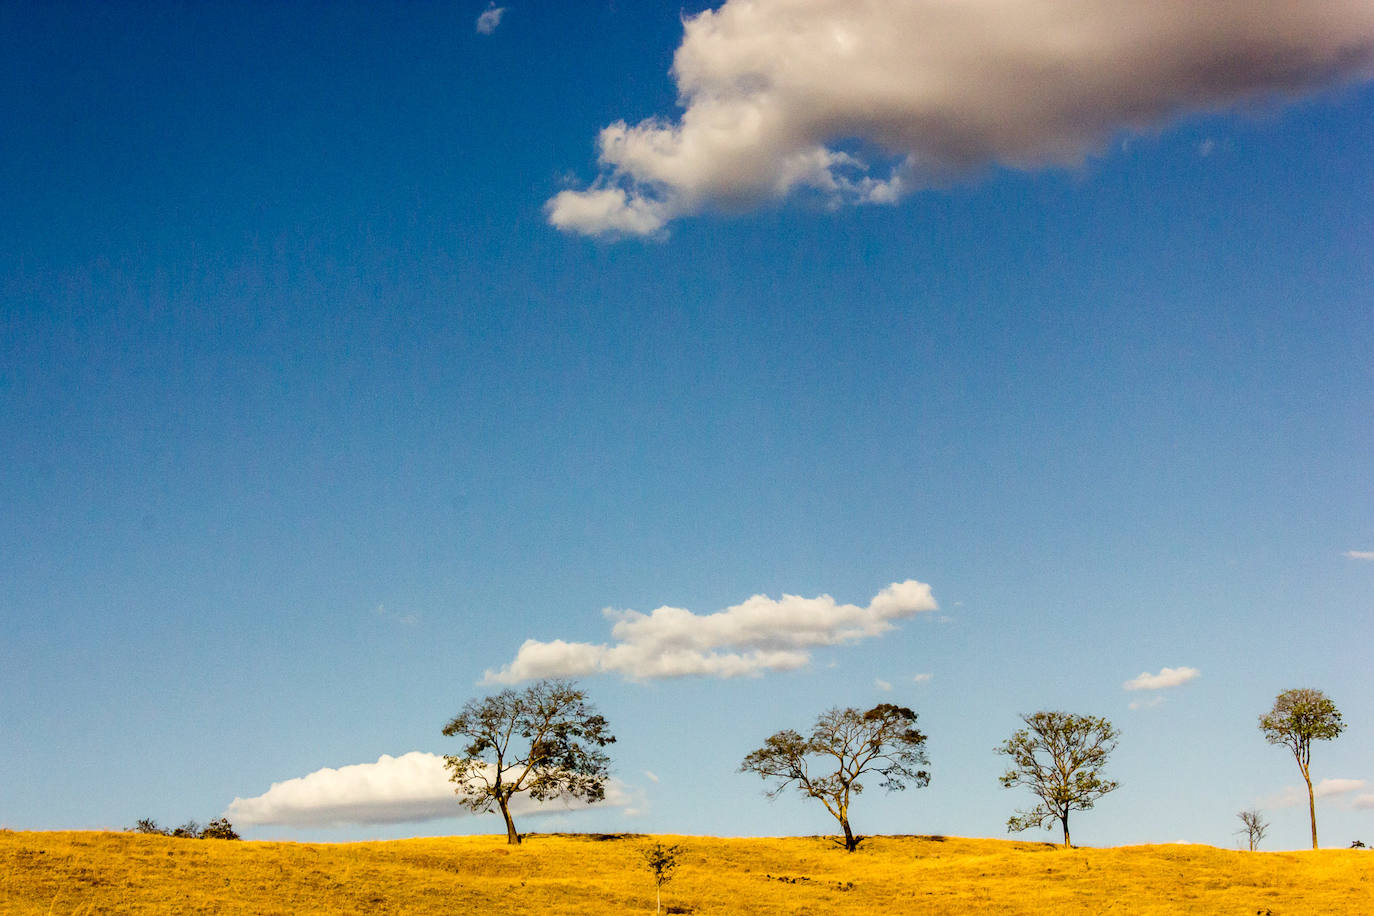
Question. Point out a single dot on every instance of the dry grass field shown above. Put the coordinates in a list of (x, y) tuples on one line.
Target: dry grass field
[(82, 873)]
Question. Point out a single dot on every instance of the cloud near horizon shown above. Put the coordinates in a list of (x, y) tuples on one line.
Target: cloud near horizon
[(1327, 788), (1167, 677), (864, 101), (761, 634), (395, 790), (1360, 554)]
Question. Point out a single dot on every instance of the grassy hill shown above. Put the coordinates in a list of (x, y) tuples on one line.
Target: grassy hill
[(87, 873)]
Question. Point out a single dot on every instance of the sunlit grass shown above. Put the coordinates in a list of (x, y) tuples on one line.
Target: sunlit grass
[(79, 873)]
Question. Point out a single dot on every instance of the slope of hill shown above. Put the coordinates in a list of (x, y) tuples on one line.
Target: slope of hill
[(84, 872)]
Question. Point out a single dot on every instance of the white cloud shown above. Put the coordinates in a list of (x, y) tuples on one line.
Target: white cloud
[(924, 678), (1292, 796), (394, 790), (882, 684), (1146, 704), (1167, 677), (1329, 787), (490, 19), (1360, 554), (863, 101), (761, 634), (1363, 801), (651, 775)]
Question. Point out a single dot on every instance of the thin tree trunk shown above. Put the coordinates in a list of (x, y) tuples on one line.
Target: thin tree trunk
[(512, 838), (1311, 806), (1065, 818)]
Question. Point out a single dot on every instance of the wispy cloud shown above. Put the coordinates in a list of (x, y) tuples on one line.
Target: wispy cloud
[(490, 19), (1146, 704), (863, 101), (1360, 554), (1327, 788), (885, 686), (761, 634), (923, 678), (1365, 800), (410, 788), (1167, 677)]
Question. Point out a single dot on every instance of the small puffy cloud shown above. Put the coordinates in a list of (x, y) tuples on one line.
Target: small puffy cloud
[(882, 685), (923, 678), (863, 101), (761, 634), (490, 19), (394, 790), (1360, 554), (1167, 677)]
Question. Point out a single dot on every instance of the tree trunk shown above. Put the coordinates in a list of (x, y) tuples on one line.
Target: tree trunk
[(1311, 806), (512, 838), (1064, 818), (850, 844)]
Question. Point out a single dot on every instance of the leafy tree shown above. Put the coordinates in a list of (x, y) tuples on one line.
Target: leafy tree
[(219, 829), (1059, 756), (191, 830), (147, 825), (544, 741), (1253, 827), (662, 861), (882, 741), (1299, 717)]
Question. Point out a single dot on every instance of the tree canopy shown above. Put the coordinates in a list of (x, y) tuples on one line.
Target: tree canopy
[(883, 742), (544, 741), (1299, 717), (1059, 756)]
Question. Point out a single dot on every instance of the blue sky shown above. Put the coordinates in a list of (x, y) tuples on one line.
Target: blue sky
[(334, 366)]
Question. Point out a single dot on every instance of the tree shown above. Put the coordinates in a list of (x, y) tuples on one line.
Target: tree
[(882, 741), (1253, 827), (1059, 756), (662, 861), (219, 829), (1299, 717), (544, 741)]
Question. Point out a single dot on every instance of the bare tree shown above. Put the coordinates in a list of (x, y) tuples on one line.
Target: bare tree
[(1059, 756), (882, 741), (1299, 717), (1253, 827), (544, 741)]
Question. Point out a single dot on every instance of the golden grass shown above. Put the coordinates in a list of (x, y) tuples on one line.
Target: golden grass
[(88, 873)]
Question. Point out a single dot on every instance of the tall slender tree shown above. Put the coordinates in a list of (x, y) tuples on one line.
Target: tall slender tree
[(1299, 717)]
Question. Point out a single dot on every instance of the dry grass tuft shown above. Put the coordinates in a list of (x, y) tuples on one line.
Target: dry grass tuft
[(91, 873)]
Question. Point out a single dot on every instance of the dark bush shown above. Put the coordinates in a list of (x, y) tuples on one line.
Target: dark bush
[(219, 829)]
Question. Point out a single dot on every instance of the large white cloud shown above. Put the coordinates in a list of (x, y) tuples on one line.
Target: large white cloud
[(1167, 677), (409, 788), (761, 634), (777, 92)]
